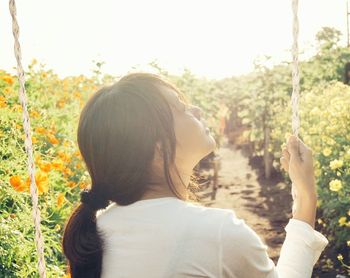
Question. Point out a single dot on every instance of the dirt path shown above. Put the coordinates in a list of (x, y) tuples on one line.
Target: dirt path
[(264, 205)]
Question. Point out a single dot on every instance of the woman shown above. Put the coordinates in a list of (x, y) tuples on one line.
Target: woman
[(140, 140)]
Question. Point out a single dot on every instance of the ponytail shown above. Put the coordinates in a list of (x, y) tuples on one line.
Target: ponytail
[(82, 244)]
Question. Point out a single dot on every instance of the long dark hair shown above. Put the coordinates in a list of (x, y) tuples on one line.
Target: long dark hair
[(118, 130)]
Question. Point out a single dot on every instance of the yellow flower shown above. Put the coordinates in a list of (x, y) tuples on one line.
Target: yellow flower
[(57, 227), (2, 102), (327, 152), (41, 180), (329, 263), (68, 172), (52, 139), (34, 139), (57, 164), (71, 184), (35, 114), (83, 185), (60, 103), (60, 200), (66, 143), (52, 128), (335, 185), (318, 172), (17, 108), (77, 153), (45, 166), (342, 221), (348, 243), (340, 257), (335, 164), (8, 90), (17, 183), (77, 95), (40, 130), (64, 156), (8, 79), (37, 158), (330, 141), (347, 155)]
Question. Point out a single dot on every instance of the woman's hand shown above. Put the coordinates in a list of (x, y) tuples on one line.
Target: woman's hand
[(298, 162)]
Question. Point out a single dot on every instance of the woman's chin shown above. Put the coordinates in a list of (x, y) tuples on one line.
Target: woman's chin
[(211, 143)]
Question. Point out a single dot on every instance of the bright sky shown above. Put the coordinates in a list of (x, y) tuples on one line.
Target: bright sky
[(212, 38)]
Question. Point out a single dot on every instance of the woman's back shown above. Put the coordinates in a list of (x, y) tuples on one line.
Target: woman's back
[(168, 237), (163, 237)]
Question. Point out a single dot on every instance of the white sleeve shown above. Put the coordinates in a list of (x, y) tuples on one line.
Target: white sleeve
[(300, 250), (243, 254)]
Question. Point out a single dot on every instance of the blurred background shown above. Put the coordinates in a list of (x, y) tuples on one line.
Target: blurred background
[(231, 58)]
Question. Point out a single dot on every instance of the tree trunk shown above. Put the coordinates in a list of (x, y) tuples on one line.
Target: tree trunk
[(267, 155)]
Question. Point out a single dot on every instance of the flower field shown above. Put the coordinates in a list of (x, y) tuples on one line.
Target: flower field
[(261, 99), (54, 106)]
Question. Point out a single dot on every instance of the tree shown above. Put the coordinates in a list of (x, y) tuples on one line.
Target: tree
[(328, 38)]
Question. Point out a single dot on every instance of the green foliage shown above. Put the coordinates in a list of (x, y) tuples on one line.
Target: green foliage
[(53, 106)]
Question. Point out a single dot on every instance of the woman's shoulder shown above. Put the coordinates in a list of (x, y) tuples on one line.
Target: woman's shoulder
[(193, 214), (217, 218), (213, 212), (225, 221), (219, 225)]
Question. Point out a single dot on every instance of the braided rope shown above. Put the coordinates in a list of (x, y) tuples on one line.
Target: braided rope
[(295, 71), (39, 242), (295, 82)]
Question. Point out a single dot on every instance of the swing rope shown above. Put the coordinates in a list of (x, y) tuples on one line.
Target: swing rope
[(296, 86), (39, 242), (295, 71)]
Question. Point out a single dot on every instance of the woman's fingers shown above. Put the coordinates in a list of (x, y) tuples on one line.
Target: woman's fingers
[(286, 154), (293, 147), (285, 159), (283, 163)]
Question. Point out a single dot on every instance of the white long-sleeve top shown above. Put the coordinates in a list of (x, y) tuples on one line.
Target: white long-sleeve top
[(168, 237)]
